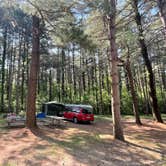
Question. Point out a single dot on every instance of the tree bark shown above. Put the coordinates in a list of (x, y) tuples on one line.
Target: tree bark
[(18, 76), (132, 88), (63, 75), (133, 93), (58, 77), (162, 12), (32, 82), (144, 51), (10, 81), (96, 88), (80, 80), (83, 76), (3, 68), (101, 110), (50, 85), (108, 80), (23, 76), (74, 73), (117, 125)]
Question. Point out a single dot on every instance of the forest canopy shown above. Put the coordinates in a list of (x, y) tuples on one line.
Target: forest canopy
[(76, 48)]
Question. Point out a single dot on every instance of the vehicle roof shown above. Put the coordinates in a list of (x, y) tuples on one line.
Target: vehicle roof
[(53, 102), (79, 105), (70, 105), (50, 102)]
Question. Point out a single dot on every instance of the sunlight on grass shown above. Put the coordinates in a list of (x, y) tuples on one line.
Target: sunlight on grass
[(10, 163), (78, 142), (109, 117), (2, 124), (95, 140), (103, 117), (163, 116), (106, 137)]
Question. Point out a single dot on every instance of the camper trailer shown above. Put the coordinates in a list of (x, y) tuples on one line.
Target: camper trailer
[(53, 108)]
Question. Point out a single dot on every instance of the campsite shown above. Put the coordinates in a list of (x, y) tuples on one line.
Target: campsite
[(82, 83)]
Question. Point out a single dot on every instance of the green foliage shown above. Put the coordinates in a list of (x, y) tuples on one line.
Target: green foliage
[(83, 26), (161, 100), (126, 102)]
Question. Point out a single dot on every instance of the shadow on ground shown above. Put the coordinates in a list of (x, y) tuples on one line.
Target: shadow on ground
[(90, 145)]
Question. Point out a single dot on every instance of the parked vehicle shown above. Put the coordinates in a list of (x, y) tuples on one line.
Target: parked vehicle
[(53, 108), (78, 113)]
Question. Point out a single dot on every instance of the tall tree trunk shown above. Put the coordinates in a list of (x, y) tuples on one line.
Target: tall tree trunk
[(127, 81), (144, 51), (120, 85), (80, 80), (18, 76), (108, 79), (34, 69), (88, 76), (63, 75), (3, 67), (100, 86), (22, 85), (93, 77), (83, 75), (69, 77), (117, 125), (132, 89), (134, 96), (23, 76), (74, 73), (163, 75), (162, 12), (146, 90), (10, 80), (50, 85), (96, 88), (59, 72), (27, 64)]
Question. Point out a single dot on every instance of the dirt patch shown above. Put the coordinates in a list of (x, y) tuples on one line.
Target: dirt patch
[(84, 145)]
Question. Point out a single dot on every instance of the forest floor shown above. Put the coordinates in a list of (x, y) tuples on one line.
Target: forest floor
[(84, 145)]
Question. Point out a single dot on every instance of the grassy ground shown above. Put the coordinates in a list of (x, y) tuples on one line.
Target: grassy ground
[(109, 117), (84, 144)]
